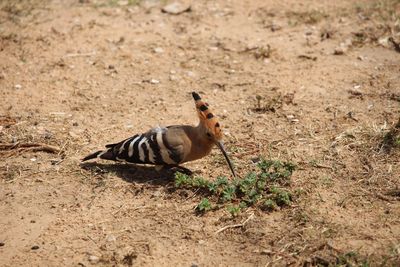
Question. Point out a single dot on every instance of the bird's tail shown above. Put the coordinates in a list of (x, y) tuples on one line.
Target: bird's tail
[(101, 154)]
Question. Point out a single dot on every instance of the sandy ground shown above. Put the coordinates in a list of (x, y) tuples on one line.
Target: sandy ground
[(80, 74)]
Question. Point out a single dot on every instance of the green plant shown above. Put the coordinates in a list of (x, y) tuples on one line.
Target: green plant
[(220, 181), (233, 210), (276, 170), (281, 196), (181, 179), (228, 193), (263, 188), (351, 258), (269, 204), (200, 182), (391, 139), (204, 205)]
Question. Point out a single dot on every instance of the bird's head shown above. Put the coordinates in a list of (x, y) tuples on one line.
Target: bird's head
[(212, 128)]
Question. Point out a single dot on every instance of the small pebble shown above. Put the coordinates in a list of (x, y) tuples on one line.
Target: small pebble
[(2, 244), (290, 117), (266, 252), (93, 258), (361, 58), (343, 47), (340, 51), (176, 8), (154, 81), (18, 86), (35, 247), (275, 27), (158, 50), (191, 74), (157, 193), (111, 238)]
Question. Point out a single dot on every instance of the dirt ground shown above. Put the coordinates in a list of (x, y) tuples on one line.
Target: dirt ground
[(316, 83)]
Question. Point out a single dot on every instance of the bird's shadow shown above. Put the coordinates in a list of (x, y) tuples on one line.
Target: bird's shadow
[(133, 173)]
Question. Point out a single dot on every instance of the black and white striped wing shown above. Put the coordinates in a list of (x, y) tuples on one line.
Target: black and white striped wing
[(151, 147)]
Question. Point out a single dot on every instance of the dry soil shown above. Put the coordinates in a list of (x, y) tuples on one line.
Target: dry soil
[(316, 83)]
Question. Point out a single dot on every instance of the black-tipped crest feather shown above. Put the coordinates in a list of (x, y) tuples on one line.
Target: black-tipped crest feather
[(196, 96)]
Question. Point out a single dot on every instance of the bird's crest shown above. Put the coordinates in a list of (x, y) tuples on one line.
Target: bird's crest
[(207, 118)]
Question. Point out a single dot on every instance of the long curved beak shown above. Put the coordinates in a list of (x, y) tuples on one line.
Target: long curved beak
[(221, 147)]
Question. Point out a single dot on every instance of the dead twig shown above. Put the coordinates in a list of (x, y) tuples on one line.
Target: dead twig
[(81, 54), (119, 209), (323, 167), (34, 147), (313, 58), (62, 149), (194, 194), (92, 239), (383, 197), (235, 225)]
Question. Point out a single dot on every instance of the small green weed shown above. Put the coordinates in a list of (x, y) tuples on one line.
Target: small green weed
[(281, 196), (351, 259), (269, 204), (233, 210), (182, 180), (263, 188), (204, 205), (391, 140)]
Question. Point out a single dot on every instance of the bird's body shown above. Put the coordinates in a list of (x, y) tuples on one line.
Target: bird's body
[(169, 146)]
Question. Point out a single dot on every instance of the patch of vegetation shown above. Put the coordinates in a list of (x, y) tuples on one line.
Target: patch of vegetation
[(264, 188), (386, 10), (21, 8), (307, 17), (10, 173), (348, 259), (117, 3), (391, 139), (326, 181), (204, 205), (268, 104), (9, 176), (351, 259), (385, 15)]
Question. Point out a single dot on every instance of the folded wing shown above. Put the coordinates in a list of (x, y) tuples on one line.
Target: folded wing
[(159, 146)]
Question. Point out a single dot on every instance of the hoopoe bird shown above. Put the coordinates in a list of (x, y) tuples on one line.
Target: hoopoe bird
[(170, 146)]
